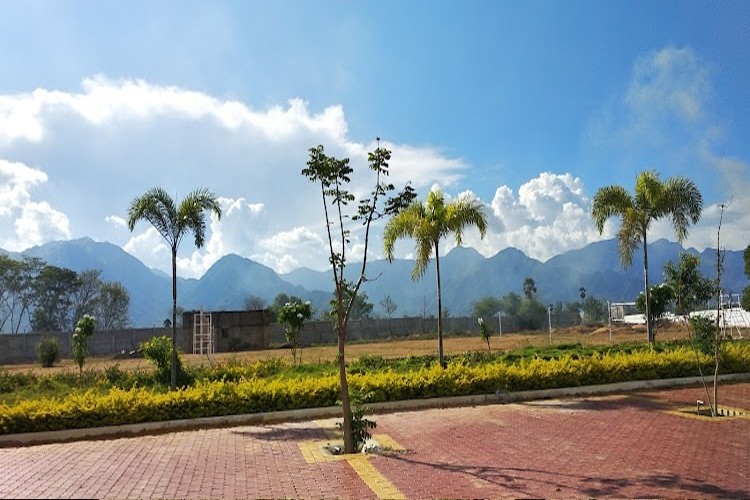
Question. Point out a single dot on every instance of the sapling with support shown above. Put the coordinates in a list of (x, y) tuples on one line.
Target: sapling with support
[(333, 175)]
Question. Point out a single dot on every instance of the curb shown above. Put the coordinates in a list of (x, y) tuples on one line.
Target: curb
[(33, 438)]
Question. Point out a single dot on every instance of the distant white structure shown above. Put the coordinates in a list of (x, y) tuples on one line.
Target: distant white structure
[(625, 312), (731, 315)]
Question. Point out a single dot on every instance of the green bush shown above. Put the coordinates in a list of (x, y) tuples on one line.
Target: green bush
[(79, 343), (11, 382), (251, 395), (48, 351), (159, 351), (114, 375)]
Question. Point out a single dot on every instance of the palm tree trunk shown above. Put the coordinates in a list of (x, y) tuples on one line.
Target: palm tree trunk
[(439, 308), (649, 327), (173, 374)]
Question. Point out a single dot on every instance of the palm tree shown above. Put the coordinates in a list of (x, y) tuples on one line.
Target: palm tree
[(173, 222), (427, 224), (677, 198), (529, 288)]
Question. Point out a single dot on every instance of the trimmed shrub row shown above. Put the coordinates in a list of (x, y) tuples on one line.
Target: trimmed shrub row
[(224, 397)]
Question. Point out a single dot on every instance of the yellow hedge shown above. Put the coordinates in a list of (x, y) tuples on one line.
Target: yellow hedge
[(213, 398)]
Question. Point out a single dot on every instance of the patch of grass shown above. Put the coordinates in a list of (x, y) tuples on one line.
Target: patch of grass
[(381, 358)]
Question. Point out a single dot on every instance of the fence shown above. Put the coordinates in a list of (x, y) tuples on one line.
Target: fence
[(21, 348), (322, 332)]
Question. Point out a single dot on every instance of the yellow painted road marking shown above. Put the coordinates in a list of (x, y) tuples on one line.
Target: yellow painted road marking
[(690, 412), (316, 452), (373, 478)]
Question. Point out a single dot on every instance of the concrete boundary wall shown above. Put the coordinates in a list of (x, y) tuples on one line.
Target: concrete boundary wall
[(21, 348)]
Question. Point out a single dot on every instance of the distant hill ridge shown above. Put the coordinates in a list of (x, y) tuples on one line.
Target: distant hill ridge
[(466, 276)]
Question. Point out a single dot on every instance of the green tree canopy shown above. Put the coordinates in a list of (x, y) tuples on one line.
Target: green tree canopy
[(594, 310), (112, 306), (690, 288), (53, 295), (486, 306), (660, 298)]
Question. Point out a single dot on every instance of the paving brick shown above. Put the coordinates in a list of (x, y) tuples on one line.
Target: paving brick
[(632, 445)]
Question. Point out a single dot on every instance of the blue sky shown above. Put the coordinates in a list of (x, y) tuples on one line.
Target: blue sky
[(531, 106)]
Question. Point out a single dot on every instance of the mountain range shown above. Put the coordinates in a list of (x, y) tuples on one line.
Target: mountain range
[(466, 276)]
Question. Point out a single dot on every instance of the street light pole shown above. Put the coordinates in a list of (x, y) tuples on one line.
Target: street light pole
[(549, 321)]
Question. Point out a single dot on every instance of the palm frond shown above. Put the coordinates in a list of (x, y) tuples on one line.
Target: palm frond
[(610, 201), (465, 213), (191, 214), (684, 204), (425, 247), (630, 235), (402, 225), (156, 207), (649, 193)]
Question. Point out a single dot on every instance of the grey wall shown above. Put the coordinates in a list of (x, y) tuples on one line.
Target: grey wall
[(21, 348)]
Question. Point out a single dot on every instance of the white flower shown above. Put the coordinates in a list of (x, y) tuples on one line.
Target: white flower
[(300, 316)]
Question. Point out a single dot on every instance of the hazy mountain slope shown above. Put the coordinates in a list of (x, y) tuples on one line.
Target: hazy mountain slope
[(465, 274), (150, 294)]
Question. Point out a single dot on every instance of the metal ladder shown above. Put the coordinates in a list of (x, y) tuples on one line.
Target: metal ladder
[(203, 338), (732, 315)]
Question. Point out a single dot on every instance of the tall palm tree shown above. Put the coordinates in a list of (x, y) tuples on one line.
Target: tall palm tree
[(427, 224), (173, 222), (677, 198)]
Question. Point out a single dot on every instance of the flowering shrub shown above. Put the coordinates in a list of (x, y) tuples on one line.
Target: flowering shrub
[(253, 395), (80, 347), (293, 316)]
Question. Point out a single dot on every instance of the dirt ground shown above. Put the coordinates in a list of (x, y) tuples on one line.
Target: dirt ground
[(592, 335)]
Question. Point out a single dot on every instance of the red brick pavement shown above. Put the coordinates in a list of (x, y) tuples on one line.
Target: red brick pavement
[(614, 446)]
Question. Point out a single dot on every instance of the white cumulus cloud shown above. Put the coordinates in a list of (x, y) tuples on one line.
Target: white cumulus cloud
[(39, 223), (34, 222), (112, 140)]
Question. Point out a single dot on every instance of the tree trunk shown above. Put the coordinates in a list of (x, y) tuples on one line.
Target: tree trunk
[(649, 326), (439, 308), (345, 405), (717, 336), (173, 374)]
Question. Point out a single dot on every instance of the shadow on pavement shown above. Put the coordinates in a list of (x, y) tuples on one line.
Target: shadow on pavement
[(516, 479), (273, 433), (602, 403)]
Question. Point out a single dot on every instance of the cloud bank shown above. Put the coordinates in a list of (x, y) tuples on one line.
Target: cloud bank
[(71, 162)]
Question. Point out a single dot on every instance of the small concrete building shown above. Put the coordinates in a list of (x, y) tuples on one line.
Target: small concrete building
[(226, 331)]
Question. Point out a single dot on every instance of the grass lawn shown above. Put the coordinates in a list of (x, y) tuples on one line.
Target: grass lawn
[(585, 335)]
